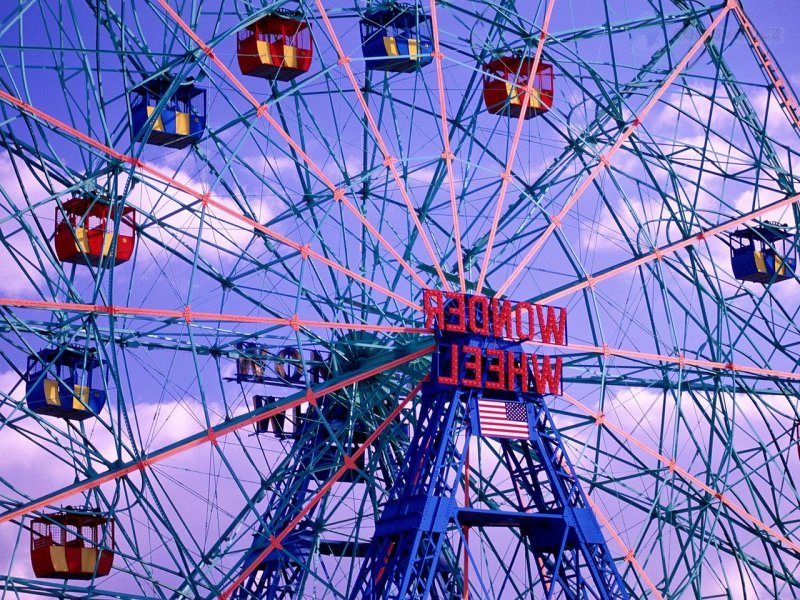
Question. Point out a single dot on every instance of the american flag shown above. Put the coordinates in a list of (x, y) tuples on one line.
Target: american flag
[(503, 419)]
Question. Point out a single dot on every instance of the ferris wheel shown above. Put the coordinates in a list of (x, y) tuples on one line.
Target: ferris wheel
[(389, 300)]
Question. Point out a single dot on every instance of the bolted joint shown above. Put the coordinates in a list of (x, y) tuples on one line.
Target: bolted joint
[(310, 397), (212, 436)]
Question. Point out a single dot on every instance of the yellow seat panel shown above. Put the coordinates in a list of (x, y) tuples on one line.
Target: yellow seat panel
[(88, 559), (58, 556), (263, 52), (182, 123), (511, 91), (82, 240), (51, 393), (515, 95), (107, 243), (290, 57), (80, 399), (159, 125), (535, 99), (390, 44), (760, 264), (413, 49)]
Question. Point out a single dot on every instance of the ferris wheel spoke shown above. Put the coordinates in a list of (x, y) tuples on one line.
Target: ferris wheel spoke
[(787, 100), (605, 158), (628, 553), (389, 161), (215, 432), (262, 112), (205, 198), (571, 152), (447, 154), (659, 253), (349, 463), (506, 175), (718, 496)]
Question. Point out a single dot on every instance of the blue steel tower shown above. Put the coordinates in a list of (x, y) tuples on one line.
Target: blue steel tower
[(550, 511)]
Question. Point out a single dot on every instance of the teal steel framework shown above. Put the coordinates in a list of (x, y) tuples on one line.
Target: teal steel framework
[(285, 232)]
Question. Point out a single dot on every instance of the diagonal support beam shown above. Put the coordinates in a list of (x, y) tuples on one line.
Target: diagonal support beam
[(605, 159), (262, 112), (512, 152), (670, 463), (659, 253), (389, 161), (213, 434), (787, 100), (188, 315), (628, 553), (205, 198), (349, 463), (448, 153)]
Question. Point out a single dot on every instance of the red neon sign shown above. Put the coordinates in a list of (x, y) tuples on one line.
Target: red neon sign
[(496, 368), (500, 318)]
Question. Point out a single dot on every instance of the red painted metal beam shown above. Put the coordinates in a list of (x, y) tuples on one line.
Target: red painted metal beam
[(349, 463), (212, 435), (670, 463), (389, 161), (262, 111), (506, 175), (188, 315), (448, 153), (787, 100), (605, 159), (206, 198), (628, 553), (660, 253)]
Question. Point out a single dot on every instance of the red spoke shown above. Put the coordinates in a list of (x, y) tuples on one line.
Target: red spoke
[(262, 112), (605, 159), (663, 251), (205, 198), (189, 315), (602, 421), (306, 252), (512, 152), (448, 153), (629, 554), (679, 360), (211, 435), (349, 463), (779, 85), (388, 160)]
